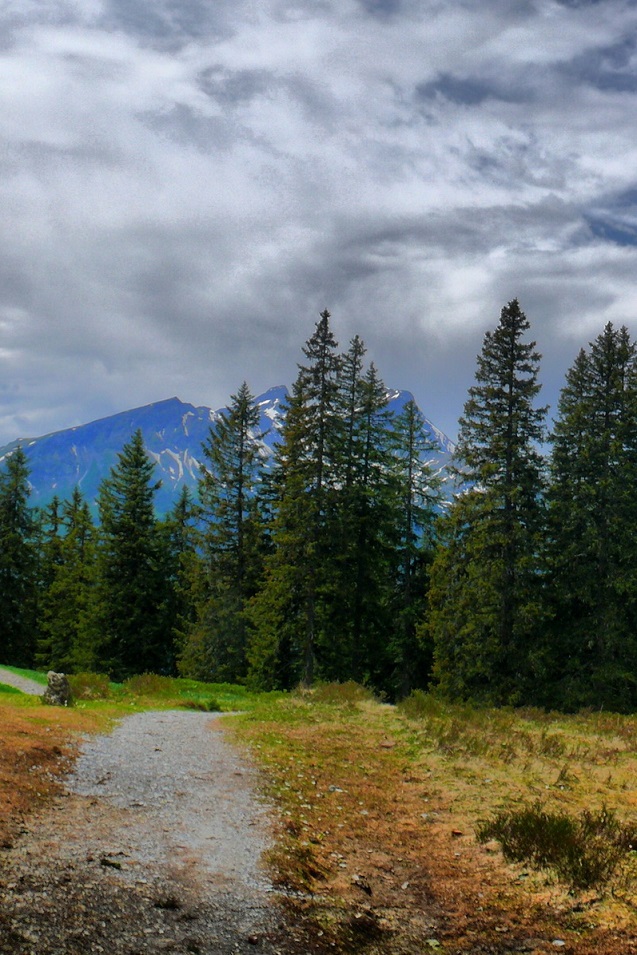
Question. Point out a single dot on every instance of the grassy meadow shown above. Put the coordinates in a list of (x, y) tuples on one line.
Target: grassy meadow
[(391, 821)]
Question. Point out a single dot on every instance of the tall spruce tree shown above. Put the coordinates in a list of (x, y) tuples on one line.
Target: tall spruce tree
[(359, 580), (179, 537), (484, 595), (231, 544), (592, 550), (132, 589), (68, 636), (418, 495), (288, 613), (18, 564)]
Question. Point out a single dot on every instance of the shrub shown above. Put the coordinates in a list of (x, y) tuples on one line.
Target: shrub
[(90, 686), (583, 851), (207, 706), (420, 705), (150, 684), (349, 692)]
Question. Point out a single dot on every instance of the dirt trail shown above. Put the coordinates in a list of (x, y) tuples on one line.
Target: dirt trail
[(21, 683), (154, 847)]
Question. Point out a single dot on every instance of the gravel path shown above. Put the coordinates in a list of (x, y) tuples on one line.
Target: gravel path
[(154, 847), (21, 683)]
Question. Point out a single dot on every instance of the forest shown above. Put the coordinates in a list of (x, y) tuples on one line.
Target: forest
[(338, 560)]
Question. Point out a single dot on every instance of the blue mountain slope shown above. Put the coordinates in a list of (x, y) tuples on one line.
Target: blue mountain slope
[(173, 434)]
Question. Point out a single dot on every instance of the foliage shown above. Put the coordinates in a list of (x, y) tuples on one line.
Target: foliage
[(287, 613), (584, 851), (67, 638), (485, 599), (132, 587), (348, 692), (90, 686), (226, 577), (591, 551), (352, 508), (18, 563)]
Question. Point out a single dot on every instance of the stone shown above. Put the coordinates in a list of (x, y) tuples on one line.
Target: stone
[(58, 690)]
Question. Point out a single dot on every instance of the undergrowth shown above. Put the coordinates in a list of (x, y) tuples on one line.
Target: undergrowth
[(583, 851)]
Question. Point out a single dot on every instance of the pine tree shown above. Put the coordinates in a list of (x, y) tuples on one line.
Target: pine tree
[(231, 544), (592, 554), (131, 586), (484, 598), (360, 573), (179, 542), (418, 496), (288, 612), (68, 637), (18, 564)]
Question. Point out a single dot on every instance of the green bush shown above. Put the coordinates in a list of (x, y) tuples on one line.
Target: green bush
[(90, 686), (422, 706), (207, 706), (150, 684), (583, 851)]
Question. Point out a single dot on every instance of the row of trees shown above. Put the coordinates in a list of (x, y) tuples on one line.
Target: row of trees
[(533, 593), (334, 562), (310, 565), (83, 598)]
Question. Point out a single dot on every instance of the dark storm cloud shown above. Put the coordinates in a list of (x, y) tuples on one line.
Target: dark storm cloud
[(469, 91), (186, 185)]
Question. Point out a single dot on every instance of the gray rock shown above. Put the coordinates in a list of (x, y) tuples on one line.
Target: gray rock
[(58, 690)]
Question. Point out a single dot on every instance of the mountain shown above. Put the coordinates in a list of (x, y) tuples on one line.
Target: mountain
[(173, 434)]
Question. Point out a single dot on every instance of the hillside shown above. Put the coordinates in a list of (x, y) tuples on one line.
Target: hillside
[(173, 433)]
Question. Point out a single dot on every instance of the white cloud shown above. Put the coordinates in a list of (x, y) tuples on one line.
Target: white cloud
[(185, 187)]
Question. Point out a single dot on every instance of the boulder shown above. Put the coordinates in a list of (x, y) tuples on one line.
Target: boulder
[(58, 690)]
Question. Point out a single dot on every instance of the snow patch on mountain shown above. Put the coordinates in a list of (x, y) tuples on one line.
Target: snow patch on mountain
[(174, 432)]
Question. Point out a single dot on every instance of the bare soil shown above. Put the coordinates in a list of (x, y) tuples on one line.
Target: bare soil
[(153, 846)]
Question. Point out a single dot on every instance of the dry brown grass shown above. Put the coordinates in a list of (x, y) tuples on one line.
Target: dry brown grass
[(37, 744), (378, 844), (379, 808)]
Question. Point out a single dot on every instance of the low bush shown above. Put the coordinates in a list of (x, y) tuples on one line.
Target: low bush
[(349, 692), (583, 851), (207, 706), (150, 684), (90, 686)]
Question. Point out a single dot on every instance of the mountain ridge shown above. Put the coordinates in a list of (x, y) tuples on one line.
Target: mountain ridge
[(173, 432)]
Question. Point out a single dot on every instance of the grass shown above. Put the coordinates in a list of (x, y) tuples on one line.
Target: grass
[(392, 800), (383, 811)]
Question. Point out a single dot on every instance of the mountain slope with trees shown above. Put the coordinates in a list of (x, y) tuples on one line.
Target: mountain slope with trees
[(330, 558)]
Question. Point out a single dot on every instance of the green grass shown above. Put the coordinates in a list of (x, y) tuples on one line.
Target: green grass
[(152, 691), (8, 689)]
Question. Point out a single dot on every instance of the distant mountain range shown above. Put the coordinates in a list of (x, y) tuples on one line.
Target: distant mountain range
[(173, 434)]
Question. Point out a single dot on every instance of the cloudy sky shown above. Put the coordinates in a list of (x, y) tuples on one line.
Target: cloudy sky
[(186, 184)]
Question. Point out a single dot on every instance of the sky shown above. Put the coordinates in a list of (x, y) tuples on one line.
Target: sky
[(187, 184)]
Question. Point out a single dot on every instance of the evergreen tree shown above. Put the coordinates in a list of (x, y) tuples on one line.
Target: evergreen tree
[(68, 637), (18, 564), (179, 536), (592, 552), (484, 598), (418, 495), (360, 573), (131, 587), (231, 544), (289, 610)]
